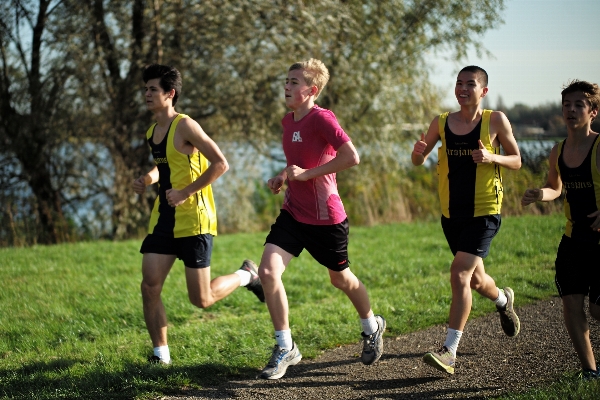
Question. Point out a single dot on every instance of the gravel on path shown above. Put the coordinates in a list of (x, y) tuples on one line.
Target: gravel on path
[(488, 364)]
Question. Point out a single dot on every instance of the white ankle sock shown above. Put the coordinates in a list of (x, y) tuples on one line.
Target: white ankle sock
[(369, 325), (501, 301), (452, 339), (284, 339), (163, 353), (245, 277)]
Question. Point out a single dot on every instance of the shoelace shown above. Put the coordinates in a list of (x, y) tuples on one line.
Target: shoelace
[(277, 355), (369, 340)]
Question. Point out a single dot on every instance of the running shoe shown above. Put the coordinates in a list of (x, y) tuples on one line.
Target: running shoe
[(588, 375), (254, 286), (157, 360), (442, 360), (280, 360), (373, 343), (508, 318)]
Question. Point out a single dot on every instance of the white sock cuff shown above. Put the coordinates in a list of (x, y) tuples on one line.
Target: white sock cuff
[(163, 353), (284, 339), (245, 276), (501, 301), (452, 340), (369, 325)]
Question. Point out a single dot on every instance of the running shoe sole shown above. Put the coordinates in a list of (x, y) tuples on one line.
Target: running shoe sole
[(432, 360)]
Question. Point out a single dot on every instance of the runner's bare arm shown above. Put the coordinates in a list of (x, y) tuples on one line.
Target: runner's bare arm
[(553, 187), (423, 147), (276, 183), (346, 157), (151, 177)]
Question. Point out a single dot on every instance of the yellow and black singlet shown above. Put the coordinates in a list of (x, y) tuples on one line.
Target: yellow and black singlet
[(197, 215), (466, 188), (582, 194)]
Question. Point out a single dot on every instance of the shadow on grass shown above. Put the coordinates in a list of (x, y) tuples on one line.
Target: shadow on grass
[(58, 379), (78, 379)]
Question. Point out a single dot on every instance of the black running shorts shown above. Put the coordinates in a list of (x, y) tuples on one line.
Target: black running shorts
[(471, 235), (328, 244), (194, 251), (578, 269)]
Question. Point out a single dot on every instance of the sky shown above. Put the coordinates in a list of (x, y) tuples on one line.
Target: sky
[(541, 45)]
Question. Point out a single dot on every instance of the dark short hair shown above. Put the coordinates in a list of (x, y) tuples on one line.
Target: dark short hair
[(482, 76), (590, 90), (169, 78)]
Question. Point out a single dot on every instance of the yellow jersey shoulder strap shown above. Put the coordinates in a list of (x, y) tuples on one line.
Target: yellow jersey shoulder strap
[(172, 127), (485, 129), (150, 131), (485, 121), (442, 123), (485, 125)]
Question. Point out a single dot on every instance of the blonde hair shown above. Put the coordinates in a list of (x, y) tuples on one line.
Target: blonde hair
[(314, 72)]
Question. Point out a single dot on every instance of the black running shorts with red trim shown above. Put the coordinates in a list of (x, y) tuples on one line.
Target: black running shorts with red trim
[(194, 251), (471, 235), (578, 269), (328, 244)]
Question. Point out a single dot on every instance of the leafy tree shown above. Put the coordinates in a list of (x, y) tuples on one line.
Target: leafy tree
[(31, 85), (79, 89)]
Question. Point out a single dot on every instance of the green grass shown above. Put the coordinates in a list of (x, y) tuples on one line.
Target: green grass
[(569, 387), (71, 323)]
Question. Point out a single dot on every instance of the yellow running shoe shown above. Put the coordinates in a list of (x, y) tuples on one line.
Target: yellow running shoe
[(442, 360)]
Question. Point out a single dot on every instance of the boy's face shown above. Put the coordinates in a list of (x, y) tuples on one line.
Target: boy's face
[(577, 110), (468, 89), (297, 91), (156, 98)]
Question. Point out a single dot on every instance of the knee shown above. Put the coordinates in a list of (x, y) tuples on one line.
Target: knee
[(476, 283), (344, 282), (267, 275), (264, 274), (149, 290), (460, 279), (338, 282), (200, 302)]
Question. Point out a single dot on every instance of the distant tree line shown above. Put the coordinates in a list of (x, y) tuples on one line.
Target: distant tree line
[(73, 120)]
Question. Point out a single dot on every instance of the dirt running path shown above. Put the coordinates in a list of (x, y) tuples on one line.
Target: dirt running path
[(488, 364)]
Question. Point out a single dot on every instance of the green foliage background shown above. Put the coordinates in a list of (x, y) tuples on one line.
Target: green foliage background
[(73, 121)]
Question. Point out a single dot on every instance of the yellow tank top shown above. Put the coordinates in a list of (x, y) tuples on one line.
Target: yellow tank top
[(197, 215), (466, 188)]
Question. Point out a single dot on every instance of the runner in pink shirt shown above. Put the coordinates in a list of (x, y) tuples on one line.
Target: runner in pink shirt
[(312, 216), (308, 143)]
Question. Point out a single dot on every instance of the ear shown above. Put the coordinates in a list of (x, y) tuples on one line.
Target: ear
[(594, 113), (172, 93), (485, 91), (314, 90)]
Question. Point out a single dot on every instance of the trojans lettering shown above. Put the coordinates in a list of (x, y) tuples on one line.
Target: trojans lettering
[(459, 152), (578, 185)]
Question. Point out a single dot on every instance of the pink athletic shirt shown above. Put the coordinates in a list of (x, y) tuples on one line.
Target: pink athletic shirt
[(308, 143)]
